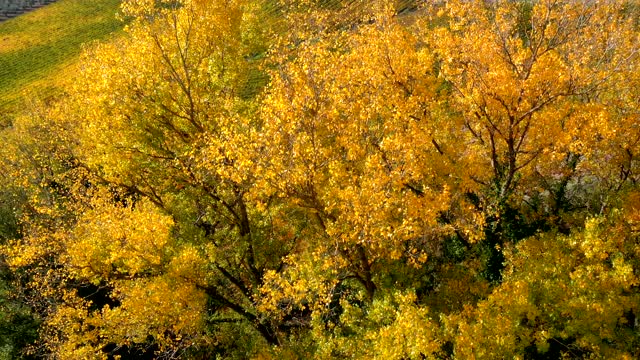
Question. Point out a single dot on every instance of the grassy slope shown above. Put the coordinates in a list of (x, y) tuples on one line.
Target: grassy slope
[(37, 48)]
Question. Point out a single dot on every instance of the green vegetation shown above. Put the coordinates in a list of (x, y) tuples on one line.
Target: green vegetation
[(37, 48)]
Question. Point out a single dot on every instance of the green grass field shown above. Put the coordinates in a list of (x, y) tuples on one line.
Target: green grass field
[(38, 48)]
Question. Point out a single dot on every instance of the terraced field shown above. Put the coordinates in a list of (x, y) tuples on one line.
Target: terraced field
[(38, 48)]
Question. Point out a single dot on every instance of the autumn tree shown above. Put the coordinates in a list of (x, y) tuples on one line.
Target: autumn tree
[(336, 179), (164, 234), (38, 174), (562, 296), (438, 146)]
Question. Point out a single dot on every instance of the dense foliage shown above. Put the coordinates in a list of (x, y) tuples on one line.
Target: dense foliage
[(325, 179)]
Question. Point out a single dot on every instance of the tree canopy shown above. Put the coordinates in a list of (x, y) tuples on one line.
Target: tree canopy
[(333, 179)]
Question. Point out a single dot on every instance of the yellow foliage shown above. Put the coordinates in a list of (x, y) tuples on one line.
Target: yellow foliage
[(118, 240), (464, 187)]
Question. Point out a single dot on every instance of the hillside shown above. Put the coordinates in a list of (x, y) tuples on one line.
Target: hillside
[(37, 48)]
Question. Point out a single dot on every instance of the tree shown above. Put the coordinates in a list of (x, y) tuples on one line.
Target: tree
[(421, 183), (165, 247), (476, 128), (569, 296)]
